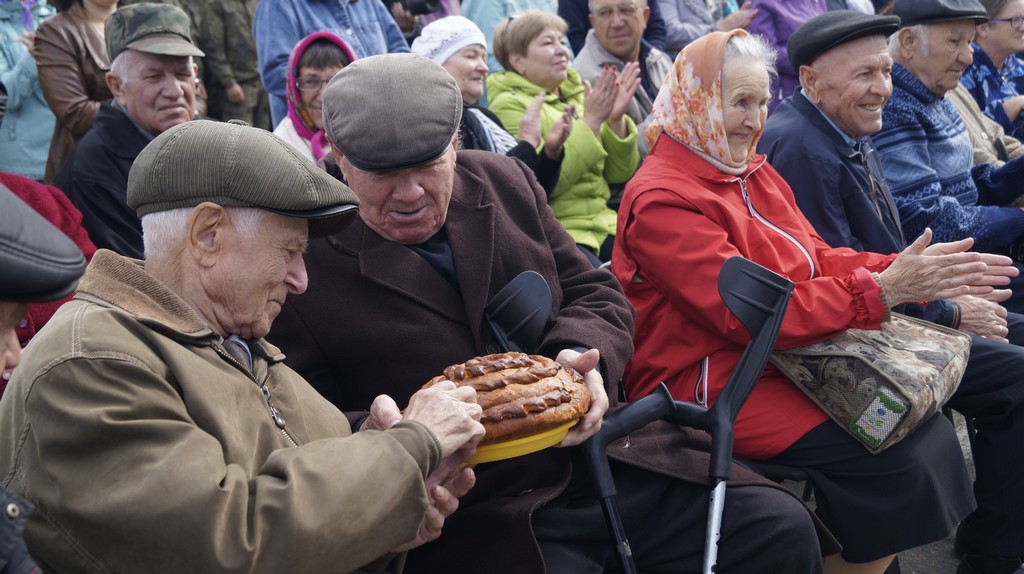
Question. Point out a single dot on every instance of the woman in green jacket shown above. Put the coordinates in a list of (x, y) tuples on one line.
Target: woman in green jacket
[(602, 148)]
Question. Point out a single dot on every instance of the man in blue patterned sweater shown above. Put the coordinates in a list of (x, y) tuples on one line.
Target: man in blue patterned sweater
[(925, 147)]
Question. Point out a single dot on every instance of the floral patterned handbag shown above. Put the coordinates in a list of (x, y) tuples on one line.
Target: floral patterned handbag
[(880, 385)]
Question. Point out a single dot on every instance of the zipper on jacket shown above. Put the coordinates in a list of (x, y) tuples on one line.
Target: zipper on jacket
[(756, 215), (275, 415)]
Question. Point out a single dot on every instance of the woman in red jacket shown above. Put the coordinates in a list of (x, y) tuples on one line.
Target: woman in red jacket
[(702, 196)]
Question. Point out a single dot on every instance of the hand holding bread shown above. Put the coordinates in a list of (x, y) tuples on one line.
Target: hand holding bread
[(450, 412), (523, 395)]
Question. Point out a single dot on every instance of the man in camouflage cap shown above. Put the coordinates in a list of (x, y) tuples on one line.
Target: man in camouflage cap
[(153, 79)]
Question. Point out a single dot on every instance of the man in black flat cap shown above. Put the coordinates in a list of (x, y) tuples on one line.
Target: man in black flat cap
[(925, 148), (155, 430), (819, 141), (38, 263), (440, 232)]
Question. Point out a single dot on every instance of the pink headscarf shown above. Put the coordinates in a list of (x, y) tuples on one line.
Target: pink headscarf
[(689, 105), (299, 116)]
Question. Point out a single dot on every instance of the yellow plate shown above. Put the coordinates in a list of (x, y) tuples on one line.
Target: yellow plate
[(521, 446)]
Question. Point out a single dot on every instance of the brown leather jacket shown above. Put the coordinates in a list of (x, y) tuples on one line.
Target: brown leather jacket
[(72, 60)]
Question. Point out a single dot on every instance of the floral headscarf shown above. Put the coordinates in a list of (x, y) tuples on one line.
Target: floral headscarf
[(301, 120), (689, 106)]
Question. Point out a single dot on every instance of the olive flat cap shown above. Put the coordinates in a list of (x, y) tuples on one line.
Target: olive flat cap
[(914, 12), (39, 262), (235, 165), (392, 111), (152, 28), (834, 28)]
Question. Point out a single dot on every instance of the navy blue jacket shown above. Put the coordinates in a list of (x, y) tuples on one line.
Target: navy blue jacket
[(830, 181)]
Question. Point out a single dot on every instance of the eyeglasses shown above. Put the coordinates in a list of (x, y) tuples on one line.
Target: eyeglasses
[(1015, 22), (626, 11), (311, 83)]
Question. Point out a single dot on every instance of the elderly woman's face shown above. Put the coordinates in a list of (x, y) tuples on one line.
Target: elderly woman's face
[(312, 82), (1001, 36), (745, 92), (469, 68), (546, 62)]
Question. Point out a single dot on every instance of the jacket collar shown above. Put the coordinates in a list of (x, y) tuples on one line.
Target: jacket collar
[(817, 118), (118, 281), (470, 227), (685, 159), (97, 47), (903, 78), (122, 136)]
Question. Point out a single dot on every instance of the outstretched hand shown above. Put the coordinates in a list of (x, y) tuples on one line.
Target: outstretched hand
[(916, 276)]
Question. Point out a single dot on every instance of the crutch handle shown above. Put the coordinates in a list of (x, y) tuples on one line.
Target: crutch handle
[(619, 424)]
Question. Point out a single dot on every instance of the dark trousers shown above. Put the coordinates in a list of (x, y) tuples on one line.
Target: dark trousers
[(992, 393), (764, 530)]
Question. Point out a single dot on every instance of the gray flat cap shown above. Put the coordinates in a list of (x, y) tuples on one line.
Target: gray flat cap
[(39, 262), (834, 28), (392, 111), (913, 12), (235, 165)]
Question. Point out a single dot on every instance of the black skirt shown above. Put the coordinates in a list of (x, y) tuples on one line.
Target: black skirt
[(911, 494)]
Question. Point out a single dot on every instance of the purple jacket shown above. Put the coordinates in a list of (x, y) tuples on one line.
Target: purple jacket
[(776, 20)]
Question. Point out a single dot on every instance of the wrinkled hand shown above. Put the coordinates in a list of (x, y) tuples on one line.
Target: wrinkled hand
[(529, 126), (450, 412), (998, 271), (384, 413), (626, 84), (982, 318), (449, 482), (235, 94), (586, 364), (913, 276), (738, 19), (559, 132)]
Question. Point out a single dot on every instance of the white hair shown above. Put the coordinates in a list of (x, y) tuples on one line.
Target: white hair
[(920, 31), (126, 60), (640, 4), (164, 231), (751, 47)]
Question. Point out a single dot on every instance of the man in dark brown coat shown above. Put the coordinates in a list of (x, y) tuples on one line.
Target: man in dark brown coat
[(400, 295)]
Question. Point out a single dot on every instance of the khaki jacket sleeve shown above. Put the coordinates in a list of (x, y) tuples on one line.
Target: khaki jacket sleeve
[(113, 452)]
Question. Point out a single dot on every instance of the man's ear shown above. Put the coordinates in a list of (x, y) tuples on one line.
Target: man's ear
[(338, 157), (981, 30), (116, 86), (906, 40), (647, 16), (590, 17), (206, 231), (809, 79)]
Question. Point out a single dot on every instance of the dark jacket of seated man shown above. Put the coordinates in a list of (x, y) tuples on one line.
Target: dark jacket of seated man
[(378, 318)]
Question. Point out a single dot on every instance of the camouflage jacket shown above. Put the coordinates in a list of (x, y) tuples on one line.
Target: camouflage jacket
[(225, 35)]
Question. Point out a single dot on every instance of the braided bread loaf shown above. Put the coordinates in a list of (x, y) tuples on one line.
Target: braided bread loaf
[(521, 395)]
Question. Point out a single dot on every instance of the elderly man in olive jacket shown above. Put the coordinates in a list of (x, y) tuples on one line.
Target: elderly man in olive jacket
[(155, 430)]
